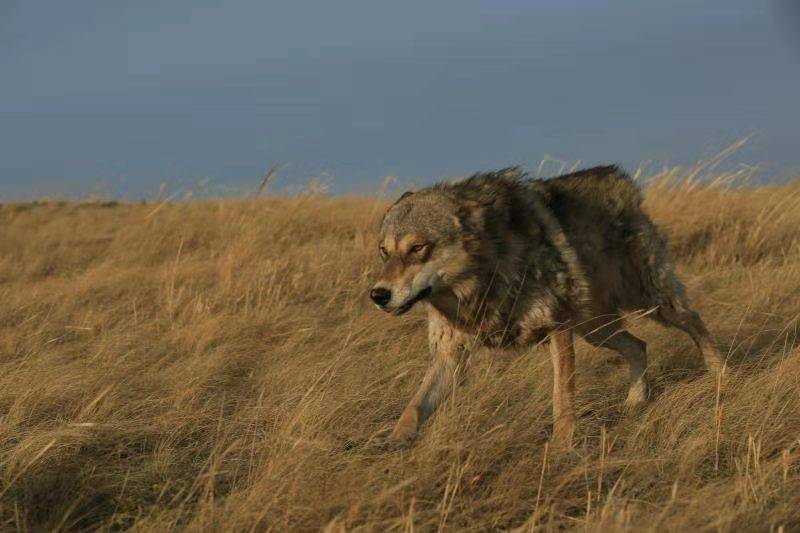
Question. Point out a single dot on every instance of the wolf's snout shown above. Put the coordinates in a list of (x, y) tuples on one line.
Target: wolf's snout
[(380, 296)]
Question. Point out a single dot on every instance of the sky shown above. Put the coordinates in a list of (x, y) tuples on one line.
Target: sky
[(118, 98)]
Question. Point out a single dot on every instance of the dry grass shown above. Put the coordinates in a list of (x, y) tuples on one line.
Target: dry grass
[(215, 365)]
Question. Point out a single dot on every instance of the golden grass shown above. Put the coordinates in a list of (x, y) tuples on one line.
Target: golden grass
[(216, 365)]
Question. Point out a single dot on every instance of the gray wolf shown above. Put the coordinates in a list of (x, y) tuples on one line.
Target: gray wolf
[(500, 260)]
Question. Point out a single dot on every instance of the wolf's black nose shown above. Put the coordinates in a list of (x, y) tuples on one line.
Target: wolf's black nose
[(380, 296)]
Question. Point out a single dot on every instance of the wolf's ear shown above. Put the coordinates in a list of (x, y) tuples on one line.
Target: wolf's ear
[(402, 197)]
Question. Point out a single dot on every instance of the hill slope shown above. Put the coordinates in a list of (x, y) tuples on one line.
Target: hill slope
[(216, 365)]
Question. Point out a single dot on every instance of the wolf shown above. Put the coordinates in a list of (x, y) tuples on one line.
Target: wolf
[(500, 259)]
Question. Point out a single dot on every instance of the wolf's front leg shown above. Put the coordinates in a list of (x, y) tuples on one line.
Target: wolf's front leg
[(438, 383), (563, 355), (449, 350)]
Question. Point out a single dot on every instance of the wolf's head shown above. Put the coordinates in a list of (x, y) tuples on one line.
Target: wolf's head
[(427, 243)]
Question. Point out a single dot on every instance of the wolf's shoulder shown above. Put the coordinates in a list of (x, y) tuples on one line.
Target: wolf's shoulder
[(485, 184)]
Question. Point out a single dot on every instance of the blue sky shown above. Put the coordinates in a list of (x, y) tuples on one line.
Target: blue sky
[(119, 97)]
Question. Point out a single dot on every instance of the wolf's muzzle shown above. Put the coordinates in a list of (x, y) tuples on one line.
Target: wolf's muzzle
[(380, 296), (421, 295)]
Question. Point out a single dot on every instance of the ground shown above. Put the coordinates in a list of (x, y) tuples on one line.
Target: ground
[(216, 365)]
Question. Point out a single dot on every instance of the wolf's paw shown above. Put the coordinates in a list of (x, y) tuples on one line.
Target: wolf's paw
[(403, 434), (563, 429), (637, 396), (714, 360), (405, 431), (716, 367)]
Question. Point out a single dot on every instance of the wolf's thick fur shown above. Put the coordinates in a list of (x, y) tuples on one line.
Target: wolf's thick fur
[(499, 259)]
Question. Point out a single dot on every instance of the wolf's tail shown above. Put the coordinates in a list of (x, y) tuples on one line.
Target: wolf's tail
[(667, 294), (662, 287)]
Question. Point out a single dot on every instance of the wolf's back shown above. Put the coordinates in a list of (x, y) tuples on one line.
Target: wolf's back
[(604, 204), (603, 191)]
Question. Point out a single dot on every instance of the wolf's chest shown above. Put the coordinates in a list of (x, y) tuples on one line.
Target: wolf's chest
[(528, 322)]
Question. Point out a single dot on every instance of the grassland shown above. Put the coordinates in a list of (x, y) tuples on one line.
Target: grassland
[(215, 365)]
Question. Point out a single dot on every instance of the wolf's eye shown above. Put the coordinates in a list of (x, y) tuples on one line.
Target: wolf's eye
[(417, 248), (383, 252)]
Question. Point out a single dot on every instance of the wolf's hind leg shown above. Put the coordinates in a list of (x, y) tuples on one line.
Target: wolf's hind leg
[(689, 321), (633, 349)]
